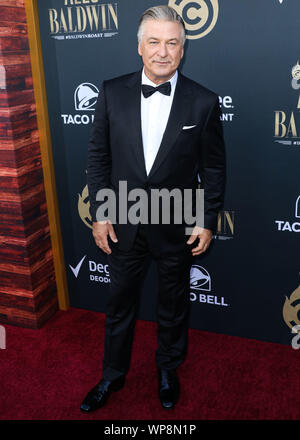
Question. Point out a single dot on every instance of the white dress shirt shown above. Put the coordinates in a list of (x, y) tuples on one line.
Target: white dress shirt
[(155, 112)]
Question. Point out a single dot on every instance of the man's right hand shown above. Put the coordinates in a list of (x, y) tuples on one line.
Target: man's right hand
[(100, 232)]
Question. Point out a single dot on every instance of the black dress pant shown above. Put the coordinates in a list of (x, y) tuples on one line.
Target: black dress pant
[(127, 270)]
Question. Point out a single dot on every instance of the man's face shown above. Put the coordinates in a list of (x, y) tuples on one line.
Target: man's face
[(161, 49)]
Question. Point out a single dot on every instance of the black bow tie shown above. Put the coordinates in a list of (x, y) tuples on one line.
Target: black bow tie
[(164, 88)]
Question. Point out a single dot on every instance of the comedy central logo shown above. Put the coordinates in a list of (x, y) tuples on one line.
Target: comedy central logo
[(200, 16), (291, 308), (296, 76), (84, 207)]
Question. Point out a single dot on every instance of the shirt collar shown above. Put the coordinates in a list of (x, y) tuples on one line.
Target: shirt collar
[(146, 80)]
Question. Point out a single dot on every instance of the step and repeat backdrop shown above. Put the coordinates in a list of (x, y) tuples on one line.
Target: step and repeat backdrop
[(247, 51)]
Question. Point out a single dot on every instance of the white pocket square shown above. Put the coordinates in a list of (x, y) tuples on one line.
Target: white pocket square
[(187, 127)]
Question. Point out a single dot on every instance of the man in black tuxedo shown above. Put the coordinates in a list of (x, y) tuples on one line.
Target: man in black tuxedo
[(153, 129)]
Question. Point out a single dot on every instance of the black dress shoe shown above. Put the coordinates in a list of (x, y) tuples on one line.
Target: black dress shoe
[(98, 396), (168, 388)]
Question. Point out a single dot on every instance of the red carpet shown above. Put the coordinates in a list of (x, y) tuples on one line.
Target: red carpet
[(46, 373)]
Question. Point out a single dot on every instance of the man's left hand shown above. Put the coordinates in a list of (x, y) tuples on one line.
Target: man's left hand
[(204, 235)]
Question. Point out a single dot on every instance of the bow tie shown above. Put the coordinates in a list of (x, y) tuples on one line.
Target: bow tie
[(164, 88)]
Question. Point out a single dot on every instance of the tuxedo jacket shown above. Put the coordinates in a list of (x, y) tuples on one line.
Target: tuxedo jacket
[(115, 153)]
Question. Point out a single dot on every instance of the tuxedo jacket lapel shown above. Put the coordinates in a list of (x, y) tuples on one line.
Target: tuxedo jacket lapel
[(134, 119), (174, 124)]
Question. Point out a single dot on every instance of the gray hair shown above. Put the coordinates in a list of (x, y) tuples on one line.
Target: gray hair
[(162, 13)]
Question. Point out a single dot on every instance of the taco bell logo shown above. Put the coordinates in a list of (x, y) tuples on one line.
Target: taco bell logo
[(200, 278), (200, 286), (284, 225), (297, 208), (85, 97)]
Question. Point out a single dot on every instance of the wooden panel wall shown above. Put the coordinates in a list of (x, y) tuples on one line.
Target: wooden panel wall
[(28, 294)]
